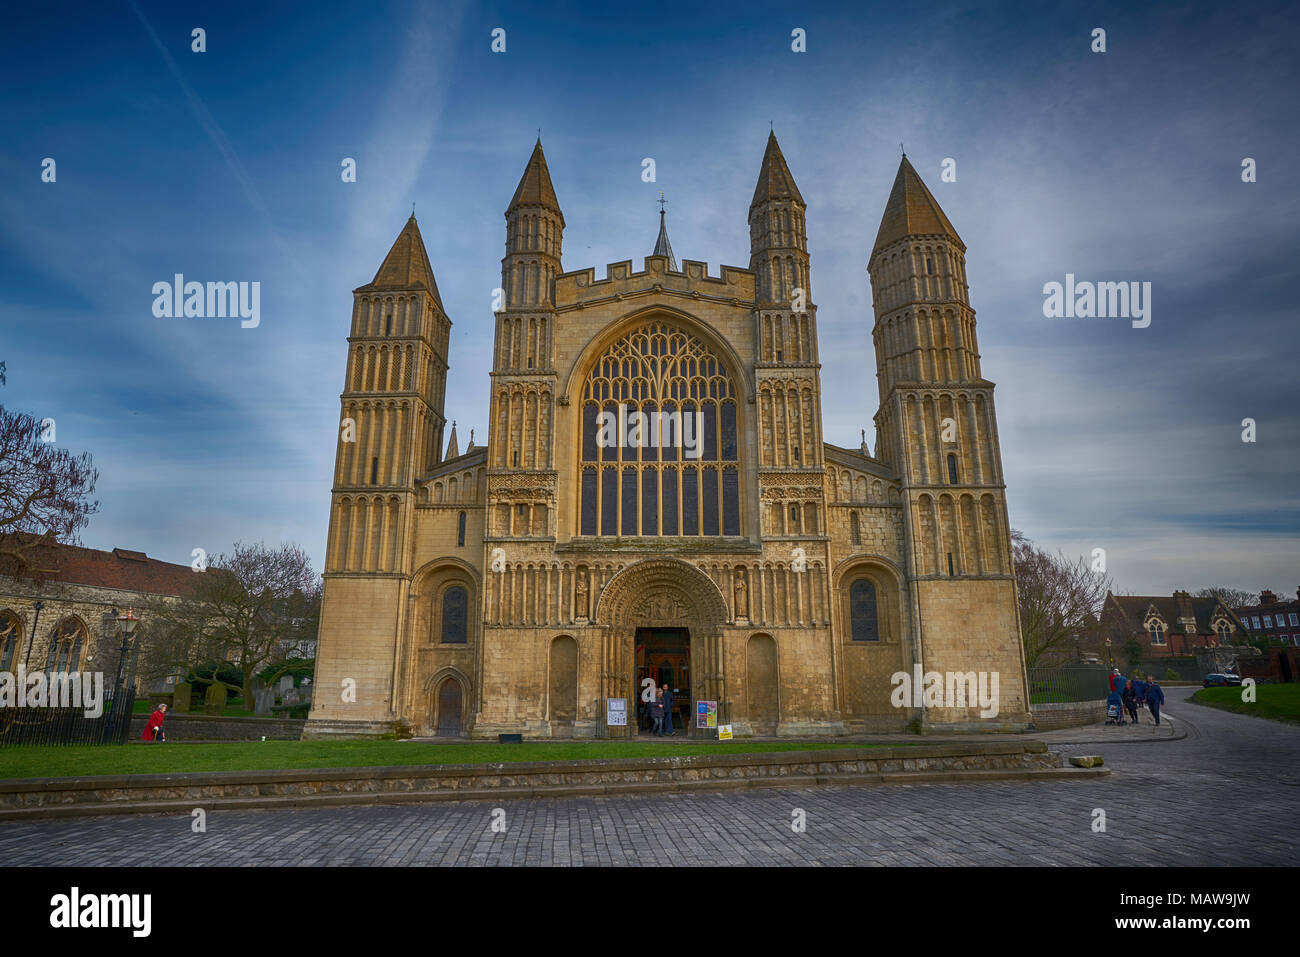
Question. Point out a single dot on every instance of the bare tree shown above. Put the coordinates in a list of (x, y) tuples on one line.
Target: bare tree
[(1060, 600), (1232, 597), (253, 608), (44, 493)]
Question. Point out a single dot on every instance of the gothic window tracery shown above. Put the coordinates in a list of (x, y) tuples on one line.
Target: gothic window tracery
[(659, 422)]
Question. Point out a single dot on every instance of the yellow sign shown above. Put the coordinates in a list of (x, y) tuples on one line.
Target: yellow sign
[(724, 732)]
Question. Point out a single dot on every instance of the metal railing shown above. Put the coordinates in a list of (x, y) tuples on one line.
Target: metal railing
[(36, 727), (1049, 684)]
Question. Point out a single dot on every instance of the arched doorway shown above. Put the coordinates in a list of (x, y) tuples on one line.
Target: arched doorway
[(762, 705), (449, 708), (563, 687), (662, 619)]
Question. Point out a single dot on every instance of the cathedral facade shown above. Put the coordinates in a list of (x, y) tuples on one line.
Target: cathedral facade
[(654, 500)]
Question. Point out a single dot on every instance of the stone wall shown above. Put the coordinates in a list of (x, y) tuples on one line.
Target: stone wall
[(1067, 714), (185, 727)]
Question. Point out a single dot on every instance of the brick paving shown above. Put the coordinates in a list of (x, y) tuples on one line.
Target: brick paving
[(1223, 795)]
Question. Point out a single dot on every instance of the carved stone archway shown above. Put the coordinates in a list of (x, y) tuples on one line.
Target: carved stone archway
[(659, 592)]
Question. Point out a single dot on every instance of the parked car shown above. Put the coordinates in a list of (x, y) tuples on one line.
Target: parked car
[(1221, 681)]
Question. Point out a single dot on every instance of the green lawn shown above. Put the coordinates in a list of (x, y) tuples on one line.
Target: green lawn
[(144, 758), (142, 706), (1279, 702)]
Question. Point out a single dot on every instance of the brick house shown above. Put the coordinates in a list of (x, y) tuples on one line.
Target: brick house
[(1169, 626), (1273, 618)]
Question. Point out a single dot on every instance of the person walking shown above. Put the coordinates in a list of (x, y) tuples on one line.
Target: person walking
[(657, 713), (1140, 688), (153, 730), (1130, 698), (668, 710), (1155, 700)]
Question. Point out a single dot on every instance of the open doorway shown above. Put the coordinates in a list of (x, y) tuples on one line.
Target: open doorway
[(664, 656)]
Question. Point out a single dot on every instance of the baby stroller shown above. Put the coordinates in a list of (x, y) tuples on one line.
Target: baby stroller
[(1114, 709)]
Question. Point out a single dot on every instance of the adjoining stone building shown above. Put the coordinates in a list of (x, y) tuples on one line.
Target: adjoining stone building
[(79, 590), (523, 584)]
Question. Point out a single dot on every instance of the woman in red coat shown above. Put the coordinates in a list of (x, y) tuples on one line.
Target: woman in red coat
[(153, 730)]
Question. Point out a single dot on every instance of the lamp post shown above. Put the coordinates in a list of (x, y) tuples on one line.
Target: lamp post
[(31, 639), (126, 625), (1109, 659)]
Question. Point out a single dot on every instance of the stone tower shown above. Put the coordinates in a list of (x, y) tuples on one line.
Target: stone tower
[(937, 430), (390, 434), (523, 368), (787, 368)]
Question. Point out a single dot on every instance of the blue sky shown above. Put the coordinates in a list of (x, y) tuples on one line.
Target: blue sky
[(224, 165)]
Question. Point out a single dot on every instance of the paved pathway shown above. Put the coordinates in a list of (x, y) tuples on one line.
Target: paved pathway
[(1224, 794)]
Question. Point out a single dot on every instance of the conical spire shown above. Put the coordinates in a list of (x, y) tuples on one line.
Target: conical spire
[(912, 211), (775, 180), (407, 264), (662, 246), (535, 187), (453, 449)]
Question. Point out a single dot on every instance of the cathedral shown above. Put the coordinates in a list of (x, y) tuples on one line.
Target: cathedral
[(654, 503)]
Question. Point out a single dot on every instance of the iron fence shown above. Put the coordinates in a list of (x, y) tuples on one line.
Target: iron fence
[(36, 727), (1049, 684)]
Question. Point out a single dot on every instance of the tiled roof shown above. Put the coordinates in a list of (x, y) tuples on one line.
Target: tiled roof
[(1134, 609), (120, 568), (535, 187)]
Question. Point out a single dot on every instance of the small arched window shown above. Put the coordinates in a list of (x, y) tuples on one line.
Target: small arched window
[(1225, 633), (863, 621), (929, 265), (11, 632), (455, 607), (1157, 633), (65, 646), (460, 530), (952, 469), (855, 529)]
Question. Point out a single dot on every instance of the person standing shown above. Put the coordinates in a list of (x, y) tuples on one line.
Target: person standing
[(153, 730), (668, 711), (1130, 698), (657, 713), (1155, 699)]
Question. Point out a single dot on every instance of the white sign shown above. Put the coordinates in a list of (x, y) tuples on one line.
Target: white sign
[(616, 712)]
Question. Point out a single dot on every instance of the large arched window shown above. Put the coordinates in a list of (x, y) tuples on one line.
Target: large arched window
[(660, 439), (863, 617), (66, 642), (11, 636), (1225, 633), (455, 609), (1157, 632)]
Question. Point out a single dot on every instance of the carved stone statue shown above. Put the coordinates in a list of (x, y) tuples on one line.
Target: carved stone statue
[(580, 594), (742, 595)]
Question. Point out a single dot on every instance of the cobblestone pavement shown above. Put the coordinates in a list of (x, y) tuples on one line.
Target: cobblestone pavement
[(1221, 795)]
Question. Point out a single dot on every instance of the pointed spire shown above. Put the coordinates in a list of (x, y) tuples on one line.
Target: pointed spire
[(662, 246), (775, 181), (469, 448), (912, 211), (453, 449), (535, 187), (407, 264)]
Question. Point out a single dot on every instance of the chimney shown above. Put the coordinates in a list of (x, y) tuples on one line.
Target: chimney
[(1266, 597)]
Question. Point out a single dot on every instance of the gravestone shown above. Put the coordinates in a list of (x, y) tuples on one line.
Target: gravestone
[(286, 683), (214, 702), (263, 699), (182, 698)]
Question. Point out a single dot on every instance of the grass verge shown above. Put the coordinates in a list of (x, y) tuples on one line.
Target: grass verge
[(1278, 702)]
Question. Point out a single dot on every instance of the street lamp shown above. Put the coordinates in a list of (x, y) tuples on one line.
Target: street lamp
[(38, 605), (126, 625), (1109, 659)]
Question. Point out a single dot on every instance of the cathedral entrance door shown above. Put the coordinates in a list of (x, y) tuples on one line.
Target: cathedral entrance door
[(449, 708), (663, 656)]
